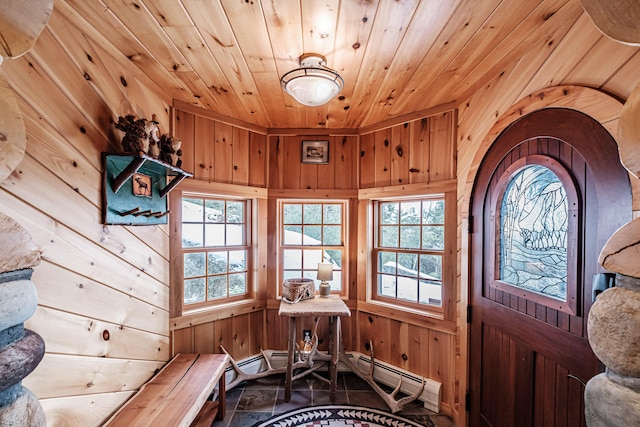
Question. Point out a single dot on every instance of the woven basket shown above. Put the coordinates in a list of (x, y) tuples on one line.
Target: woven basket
[(294, 290)]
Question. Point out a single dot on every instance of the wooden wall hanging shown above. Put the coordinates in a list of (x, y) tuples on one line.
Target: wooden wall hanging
[(134, 189)]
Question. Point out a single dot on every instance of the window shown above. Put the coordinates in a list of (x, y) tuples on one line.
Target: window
[(536, 201), (408, 254), (312, 232), (533, 232), (215, 249)]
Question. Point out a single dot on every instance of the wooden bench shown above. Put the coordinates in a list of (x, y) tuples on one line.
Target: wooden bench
[(178, 394)]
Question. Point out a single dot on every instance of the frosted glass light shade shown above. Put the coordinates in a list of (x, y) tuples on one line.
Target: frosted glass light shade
[(325, 271), (313, 84)]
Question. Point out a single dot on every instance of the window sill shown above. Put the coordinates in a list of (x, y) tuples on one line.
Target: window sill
[(423, 318), (215, 312)]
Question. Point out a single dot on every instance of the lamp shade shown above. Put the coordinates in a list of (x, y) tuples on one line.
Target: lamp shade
[(313, 84), (325, 271)]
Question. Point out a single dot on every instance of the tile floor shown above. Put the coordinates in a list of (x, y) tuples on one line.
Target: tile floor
[(257, 400)]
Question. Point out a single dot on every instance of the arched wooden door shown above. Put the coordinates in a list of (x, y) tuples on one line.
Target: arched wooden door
[(548, 194)]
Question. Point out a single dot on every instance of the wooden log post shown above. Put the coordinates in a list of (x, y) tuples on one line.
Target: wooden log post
[(13, 136), (21, 22)]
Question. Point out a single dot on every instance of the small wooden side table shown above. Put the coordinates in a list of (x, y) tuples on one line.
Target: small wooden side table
[(332, 307)]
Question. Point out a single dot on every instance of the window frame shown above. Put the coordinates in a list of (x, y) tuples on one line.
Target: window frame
[(196, 189), (344, 248), (376, 270), (445, 190), (245, 246)]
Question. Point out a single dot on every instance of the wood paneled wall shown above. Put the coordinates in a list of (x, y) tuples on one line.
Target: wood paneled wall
[(219, 149), (103, 290), (290, 178), (242, 336), (287, 172), (425, 350), (421, 150), (418, 151)]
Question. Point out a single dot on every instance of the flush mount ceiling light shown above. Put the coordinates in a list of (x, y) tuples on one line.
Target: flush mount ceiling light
[(313, 83)]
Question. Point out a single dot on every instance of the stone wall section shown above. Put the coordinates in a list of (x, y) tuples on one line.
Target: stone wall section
[(612, 399), (20, 349)]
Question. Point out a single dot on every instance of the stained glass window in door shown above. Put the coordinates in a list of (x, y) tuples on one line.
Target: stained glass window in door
[(533, 232)]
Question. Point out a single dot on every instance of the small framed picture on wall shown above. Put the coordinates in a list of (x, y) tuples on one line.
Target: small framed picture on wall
[(141, 185), (315, 152)]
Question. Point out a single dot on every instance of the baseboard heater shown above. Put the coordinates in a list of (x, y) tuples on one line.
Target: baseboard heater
[(383, 373)]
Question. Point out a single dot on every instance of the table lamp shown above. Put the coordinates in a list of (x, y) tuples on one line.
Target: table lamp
[(325, 272)]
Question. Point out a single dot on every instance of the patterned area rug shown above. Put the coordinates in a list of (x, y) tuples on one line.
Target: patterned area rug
[(338, 416)]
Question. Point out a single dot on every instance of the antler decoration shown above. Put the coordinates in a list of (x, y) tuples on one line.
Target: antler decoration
[(308, 362), (389, 398), (244, 376), (310, 366)]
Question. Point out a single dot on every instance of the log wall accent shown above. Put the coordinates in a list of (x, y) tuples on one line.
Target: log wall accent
[(13, 138), (22, 22)]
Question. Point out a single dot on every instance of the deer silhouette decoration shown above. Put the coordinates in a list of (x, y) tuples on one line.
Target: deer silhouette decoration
[(143, 187)]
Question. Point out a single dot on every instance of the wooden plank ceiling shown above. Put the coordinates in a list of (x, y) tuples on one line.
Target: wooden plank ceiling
[(396, 57)]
